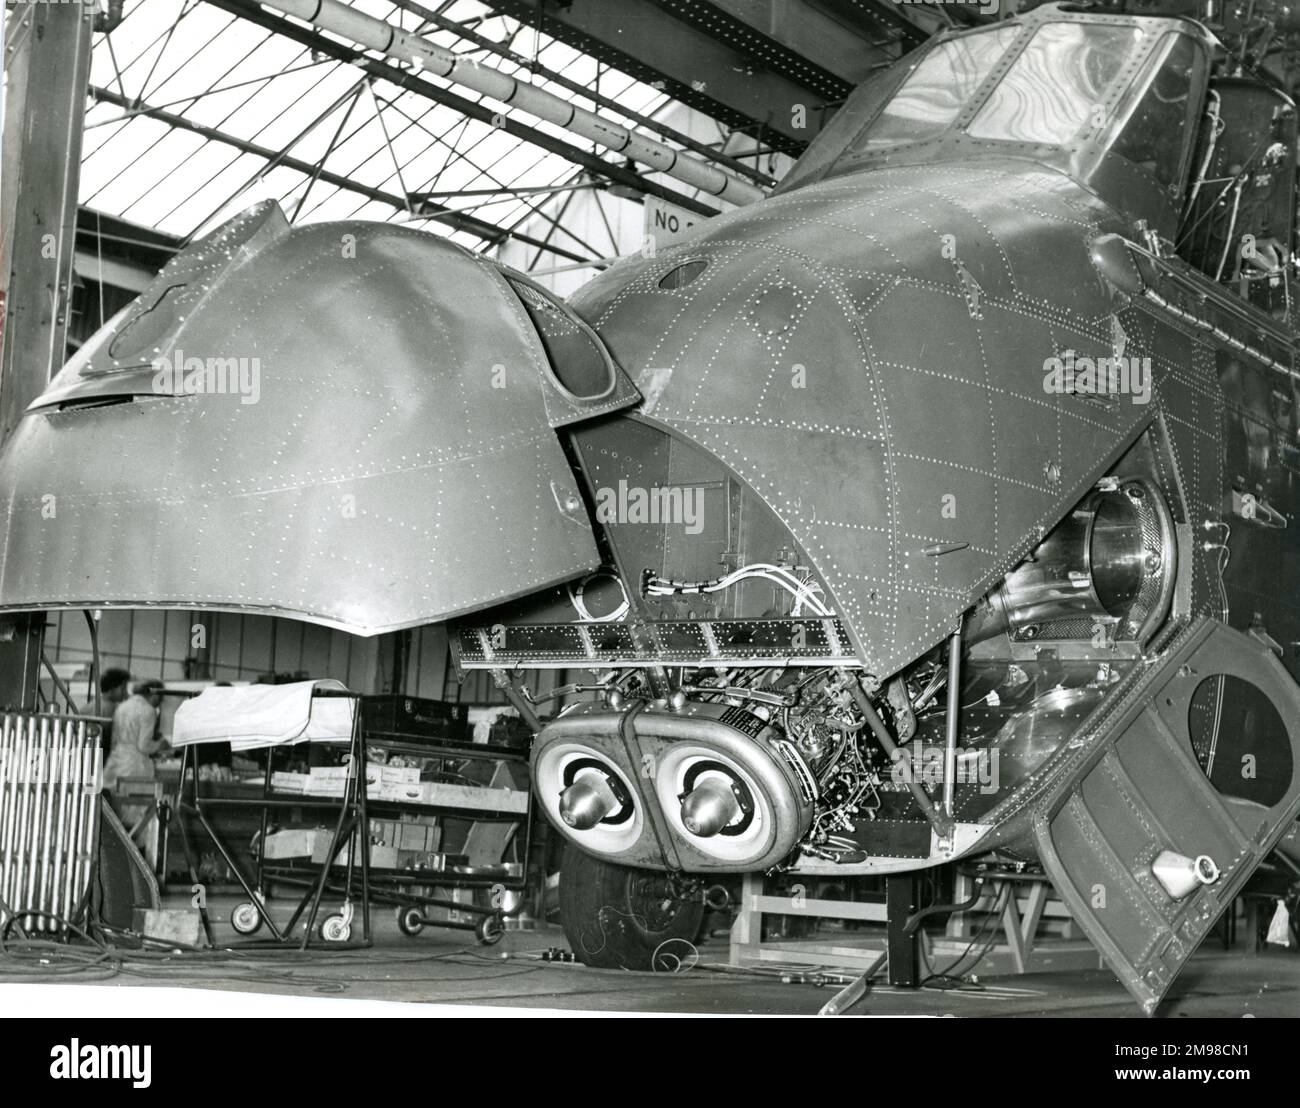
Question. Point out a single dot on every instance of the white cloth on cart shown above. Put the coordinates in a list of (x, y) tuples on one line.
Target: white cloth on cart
[(253, 716)]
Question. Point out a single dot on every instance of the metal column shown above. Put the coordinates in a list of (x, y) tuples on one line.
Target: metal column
[(904, 946), (46, 69)]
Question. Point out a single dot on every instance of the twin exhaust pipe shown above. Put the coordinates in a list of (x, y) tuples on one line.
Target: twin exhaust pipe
[(707, 809), (698, 788)]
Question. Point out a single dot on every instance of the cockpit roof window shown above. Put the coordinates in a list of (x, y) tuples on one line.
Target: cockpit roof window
[(937, 89), (1059, 85)]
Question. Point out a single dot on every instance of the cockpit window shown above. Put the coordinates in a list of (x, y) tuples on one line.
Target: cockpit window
[(940, 86), (1111, 102), (1153, 135), (1058, 86)]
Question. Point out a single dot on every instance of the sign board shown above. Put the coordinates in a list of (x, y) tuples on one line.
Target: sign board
[(665, 222)]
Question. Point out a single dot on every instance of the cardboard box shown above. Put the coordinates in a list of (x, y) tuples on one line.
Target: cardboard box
[(409, 792), (291, 843), (381, 857), (422, 838), (473, 797), (182, 926), (405, 834), (331, 773), (400, 775), (410, 836), (327, 780), (319, 849)]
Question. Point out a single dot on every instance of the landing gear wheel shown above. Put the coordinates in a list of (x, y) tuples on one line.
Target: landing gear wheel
[(410, 921), (246, 918), (616, 918), (489, 930), (335, 929)]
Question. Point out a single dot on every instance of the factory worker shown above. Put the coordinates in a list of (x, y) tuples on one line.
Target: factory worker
[(135, 734), (114, 689)]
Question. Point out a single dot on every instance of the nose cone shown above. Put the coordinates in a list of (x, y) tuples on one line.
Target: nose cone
[(709, 807), (586, 802)]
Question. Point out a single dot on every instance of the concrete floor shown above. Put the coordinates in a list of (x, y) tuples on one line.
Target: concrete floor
[(449, 967)]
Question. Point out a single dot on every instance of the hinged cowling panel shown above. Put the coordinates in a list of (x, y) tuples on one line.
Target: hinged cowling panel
[(343, 422), (1122, 833)]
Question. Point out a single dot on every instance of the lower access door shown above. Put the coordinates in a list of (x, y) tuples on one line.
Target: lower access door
[(1150, 834)]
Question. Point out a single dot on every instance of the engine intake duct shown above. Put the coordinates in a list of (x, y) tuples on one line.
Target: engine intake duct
[(1110, 563), (703, 788)]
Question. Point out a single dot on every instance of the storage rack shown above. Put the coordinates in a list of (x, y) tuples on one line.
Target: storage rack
[(411, 892), (352, 815)]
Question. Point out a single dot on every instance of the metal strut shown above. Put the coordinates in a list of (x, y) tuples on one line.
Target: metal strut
[(940, 821)]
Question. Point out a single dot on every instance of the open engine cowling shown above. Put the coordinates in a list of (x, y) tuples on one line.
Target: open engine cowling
[(306, 421), (707, 787)]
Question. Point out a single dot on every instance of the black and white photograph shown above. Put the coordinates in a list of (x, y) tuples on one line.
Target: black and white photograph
[(657, 508)]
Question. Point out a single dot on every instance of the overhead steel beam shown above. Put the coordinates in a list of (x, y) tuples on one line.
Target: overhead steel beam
[(489, 232), (403, 78), (412, 49), (594, 95), (47, 66), (128, 241), (708, 58), (791, 37), (916, 26)]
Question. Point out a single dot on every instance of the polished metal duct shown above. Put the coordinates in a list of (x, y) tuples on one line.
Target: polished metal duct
[(50, 781)]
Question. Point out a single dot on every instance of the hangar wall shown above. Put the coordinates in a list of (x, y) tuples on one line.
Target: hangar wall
[(249, 648)]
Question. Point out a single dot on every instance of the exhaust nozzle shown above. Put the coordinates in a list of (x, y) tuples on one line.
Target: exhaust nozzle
[(709, 807), (587, 801)]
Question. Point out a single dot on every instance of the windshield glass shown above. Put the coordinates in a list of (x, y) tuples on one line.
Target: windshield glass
[(1153, 137), (940, 86), (1058, 86), (1127, 89)]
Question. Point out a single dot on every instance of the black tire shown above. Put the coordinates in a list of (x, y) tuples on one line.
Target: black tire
[(489, 930), (410, 921), (616, 917)]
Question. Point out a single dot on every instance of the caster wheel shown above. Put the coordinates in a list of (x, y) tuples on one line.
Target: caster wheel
[(335, 929), (410, 921), (489, 930), (246, 918)]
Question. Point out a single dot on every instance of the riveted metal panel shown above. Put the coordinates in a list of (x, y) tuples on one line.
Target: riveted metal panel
[(374, 453), (868, 354)]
